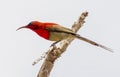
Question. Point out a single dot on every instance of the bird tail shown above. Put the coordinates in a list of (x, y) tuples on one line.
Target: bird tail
[(93, 43)]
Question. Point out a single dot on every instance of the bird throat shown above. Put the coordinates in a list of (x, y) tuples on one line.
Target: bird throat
[(43, 33)]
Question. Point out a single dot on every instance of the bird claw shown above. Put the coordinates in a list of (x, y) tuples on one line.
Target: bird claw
[(53, 44)]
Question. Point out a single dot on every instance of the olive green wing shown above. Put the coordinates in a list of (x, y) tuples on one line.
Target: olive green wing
[(58, 28)]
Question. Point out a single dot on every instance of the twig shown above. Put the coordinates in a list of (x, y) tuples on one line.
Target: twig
[(56, 52), (42, 56)]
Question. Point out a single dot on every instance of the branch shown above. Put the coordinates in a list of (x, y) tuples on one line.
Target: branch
[(55, 52)]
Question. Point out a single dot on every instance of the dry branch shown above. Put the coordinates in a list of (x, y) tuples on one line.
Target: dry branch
[(55, 52)]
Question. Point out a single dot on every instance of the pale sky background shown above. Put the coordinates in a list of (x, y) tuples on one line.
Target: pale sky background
[(20, 48)]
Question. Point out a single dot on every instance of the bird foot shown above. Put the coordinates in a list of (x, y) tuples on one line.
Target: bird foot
[(53, 44)]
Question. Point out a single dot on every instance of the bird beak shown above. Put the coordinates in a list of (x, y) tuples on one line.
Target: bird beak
[(21, 28)]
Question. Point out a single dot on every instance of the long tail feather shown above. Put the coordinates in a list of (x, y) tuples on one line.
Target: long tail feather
[(93, 43)]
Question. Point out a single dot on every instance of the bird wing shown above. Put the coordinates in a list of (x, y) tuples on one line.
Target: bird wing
[(58, 28)]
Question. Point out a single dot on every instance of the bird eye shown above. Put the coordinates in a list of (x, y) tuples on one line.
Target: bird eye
[(30, 24)]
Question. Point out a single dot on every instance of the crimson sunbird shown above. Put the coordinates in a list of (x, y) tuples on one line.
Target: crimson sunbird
[(56, 32)]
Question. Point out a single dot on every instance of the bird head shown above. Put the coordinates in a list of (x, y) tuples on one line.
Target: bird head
[(32, 25), (37, 27)]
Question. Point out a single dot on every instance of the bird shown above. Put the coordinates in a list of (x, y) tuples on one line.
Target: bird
[(56, 32)]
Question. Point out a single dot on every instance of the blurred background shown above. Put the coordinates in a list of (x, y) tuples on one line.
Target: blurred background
[(18, 49)]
